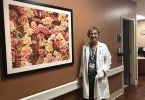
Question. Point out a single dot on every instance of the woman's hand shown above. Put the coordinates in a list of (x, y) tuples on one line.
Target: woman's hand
[(78, 79), (100, 75)]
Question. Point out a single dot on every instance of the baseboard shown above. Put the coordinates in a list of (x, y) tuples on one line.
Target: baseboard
[(115, 70), (54, 92), (116, 94), (125, 86), (136, 82), (63, 89)]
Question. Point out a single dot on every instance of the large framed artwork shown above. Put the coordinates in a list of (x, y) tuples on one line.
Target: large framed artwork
[(36, 36)]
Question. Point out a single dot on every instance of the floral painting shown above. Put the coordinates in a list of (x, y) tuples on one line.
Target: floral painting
[(38, 37)]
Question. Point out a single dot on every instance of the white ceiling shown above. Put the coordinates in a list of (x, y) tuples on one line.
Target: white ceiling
[(140, 6), (134, 0)]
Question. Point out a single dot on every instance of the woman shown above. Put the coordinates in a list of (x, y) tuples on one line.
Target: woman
[(95, 63)]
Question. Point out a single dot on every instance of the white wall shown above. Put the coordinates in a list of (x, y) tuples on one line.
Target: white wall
[(140, 38)]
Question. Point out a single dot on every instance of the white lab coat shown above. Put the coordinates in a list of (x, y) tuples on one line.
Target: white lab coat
[(101, 87)]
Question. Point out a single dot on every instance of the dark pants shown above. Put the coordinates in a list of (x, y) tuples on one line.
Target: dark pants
[(91, 78)]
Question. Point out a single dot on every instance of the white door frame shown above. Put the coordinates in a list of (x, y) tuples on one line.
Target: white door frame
[(133, 54)]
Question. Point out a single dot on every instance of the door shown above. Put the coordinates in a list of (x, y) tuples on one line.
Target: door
[(126, 48)]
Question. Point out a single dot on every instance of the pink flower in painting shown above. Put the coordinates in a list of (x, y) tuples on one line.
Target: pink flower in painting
[(12, 41), (63, 34), (23, 19), (13, 59), (54, 31), (36, 30), (44, 13), (42, 52), (65, 57), (39, 36), (16, 59), (45, 30), (54, 18), (34, 37), (54, 59), (35, 47), (12, 34), (64, 49), (36, 19), (16, 42), (18, 62), (38, 33), (35, 12), (21, 10), (12, 47), (13, 56), (66, 37), (19, 42), (58, 44), (25, 56)]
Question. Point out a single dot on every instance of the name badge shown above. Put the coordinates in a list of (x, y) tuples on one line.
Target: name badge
[(91, 65)]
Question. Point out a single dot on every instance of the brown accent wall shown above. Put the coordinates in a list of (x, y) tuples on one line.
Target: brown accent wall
[(102, 13), (115, 82)]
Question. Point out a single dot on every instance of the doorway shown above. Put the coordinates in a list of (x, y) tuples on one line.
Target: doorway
[(127, 51), (140, 48), (129, 56)]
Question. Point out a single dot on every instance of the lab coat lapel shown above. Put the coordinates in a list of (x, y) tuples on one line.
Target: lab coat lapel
[(87, 56), (98, 53), (87, 53)]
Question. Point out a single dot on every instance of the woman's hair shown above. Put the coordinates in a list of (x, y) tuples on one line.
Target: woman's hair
[(93, 28)]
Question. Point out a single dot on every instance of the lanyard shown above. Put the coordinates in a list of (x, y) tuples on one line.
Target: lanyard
[(93, 56)]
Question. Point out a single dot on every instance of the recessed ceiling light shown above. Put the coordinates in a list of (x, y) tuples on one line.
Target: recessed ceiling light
[(140, 17)]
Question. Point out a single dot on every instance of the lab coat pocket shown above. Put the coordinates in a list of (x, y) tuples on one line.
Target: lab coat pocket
[(103, 84), (100, 74)]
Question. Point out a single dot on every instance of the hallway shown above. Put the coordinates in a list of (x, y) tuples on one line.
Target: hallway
[(135, 92)]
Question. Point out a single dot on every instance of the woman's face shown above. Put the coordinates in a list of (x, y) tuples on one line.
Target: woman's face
[(93, 36)]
